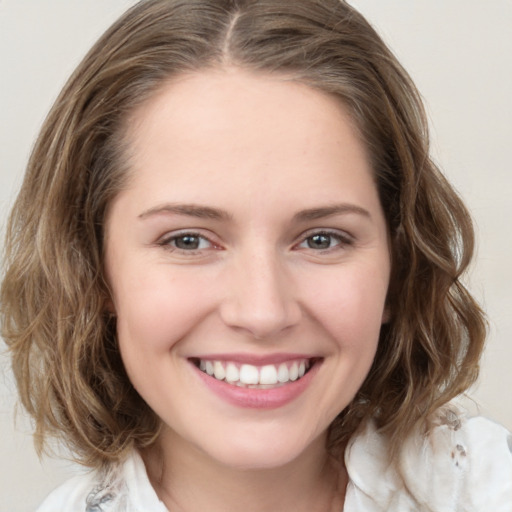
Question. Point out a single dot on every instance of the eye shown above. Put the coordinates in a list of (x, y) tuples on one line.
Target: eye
[(186, 242), (324, 240), (320, 241)]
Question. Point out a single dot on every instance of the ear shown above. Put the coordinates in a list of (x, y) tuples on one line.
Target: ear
[(386, 315), (108, 306), (108, 300)]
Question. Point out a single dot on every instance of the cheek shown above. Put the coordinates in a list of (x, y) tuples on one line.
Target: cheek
[(351, 306), (156, 311)]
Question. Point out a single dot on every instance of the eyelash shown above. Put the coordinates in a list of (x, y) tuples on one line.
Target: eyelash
[(169, 242), (343, 240)]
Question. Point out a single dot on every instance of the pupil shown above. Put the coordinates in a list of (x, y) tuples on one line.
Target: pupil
[(319, 242), (187, 242)]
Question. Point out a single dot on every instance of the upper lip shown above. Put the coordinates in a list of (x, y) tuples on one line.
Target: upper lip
[(255, 359)]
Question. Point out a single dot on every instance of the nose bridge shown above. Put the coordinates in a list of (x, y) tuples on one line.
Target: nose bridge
[(261, 296)]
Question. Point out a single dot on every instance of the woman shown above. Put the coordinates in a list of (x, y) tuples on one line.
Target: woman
[(233, 247)]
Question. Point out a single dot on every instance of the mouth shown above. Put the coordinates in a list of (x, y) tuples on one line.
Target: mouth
[(251, 376)]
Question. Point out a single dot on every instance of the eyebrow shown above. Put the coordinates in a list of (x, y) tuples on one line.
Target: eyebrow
[(328, 211), (207, 212), (190, 210)]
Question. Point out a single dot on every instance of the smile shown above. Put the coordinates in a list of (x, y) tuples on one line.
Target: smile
[(257, 382), (252, 376)]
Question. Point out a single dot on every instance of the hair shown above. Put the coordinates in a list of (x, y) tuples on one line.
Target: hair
[(55, 321)]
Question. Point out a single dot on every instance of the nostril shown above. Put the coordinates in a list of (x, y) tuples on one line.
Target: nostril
[(262, 320)]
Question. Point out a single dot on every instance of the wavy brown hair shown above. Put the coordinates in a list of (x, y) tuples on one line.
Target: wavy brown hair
[(53, 298)]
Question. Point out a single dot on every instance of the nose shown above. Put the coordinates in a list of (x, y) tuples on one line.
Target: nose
[(260, 296)]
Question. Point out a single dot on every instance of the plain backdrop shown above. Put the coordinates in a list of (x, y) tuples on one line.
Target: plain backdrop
[(459, 52)]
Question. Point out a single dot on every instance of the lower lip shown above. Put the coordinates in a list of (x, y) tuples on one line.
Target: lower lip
[(255, 398)]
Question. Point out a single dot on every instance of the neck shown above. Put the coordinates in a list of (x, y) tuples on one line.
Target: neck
[(187, 480)]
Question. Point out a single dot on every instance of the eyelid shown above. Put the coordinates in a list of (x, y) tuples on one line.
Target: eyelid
[(344, 238), (166, 240)]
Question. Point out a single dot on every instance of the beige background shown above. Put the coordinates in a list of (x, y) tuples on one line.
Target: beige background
[(459, 52)]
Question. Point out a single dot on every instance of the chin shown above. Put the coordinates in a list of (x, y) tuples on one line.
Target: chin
[(264, 453), (255, 460)]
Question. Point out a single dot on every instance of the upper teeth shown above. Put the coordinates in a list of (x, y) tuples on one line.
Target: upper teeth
[(248, 374)]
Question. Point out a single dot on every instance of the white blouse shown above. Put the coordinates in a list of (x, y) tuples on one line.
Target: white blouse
[(459, 466)]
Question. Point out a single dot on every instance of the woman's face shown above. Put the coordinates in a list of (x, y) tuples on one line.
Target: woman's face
[(251, 243)]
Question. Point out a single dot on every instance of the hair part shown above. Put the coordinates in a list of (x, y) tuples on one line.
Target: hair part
[(54, 295)]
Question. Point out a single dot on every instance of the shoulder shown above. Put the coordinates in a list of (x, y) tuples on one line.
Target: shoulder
[(453, 463), (464, 462), (71, 495), (123, 488)]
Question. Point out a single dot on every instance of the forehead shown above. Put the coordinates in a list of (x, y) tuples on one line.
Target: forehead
[(252, 131), (214, 101)]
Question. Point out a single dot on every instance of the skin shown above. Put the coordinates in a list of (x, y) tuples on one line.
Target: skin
[(274, 156)]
